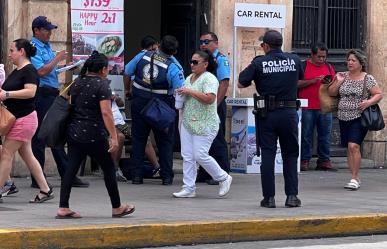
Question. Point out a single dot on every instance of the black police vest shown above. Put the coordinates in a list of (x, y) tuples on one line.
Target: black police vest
[(160, 69)]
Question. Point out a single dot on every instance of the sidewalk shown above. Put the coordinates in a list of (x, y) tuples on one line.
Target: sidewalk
[(327, 210)]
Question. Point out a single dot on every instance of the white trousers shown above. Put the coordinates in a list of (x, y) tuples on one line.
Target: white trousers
[(194, 149)]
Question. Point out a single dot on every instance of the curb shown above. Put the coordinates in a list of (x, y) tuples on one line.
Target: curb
[(179, 233)]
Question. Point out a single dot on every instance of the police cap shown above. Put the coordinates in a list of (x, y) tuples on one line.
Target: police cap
[(272, 37)]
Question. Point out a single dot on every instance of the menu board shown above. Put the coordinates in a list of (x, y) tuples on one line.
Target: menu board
[(99, 25)]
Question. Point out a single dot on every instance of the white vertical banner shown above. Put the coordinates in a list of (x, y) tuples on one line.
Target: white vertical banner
[(99, 25)]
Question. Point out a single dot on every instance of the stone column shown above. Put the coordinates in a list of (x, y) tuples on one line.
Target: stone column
[(374, 146), (19, 16)]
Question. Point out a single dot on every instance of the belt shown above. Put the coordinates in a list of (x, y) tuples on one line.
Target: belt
[(286, 104), (48, 90), (158, 91)]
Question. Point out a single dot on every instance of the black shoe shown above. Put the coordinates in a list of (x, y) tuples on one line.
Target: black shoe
[(268, 202), (212, 182), (78, 183), (137, 180), (167, 181), (292, 201), (34, 185)]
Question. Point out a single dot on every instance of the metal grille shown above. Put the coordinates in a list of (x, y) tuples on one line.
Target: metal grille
[(338, 23)]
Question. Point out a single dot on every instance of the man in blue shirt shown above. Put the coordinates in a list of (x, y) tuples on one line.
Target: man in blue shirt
[(46, 61), (156, 75), (219, 149)]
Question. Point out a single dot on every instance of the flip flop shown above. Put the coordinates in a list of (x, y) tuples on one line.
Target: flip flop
[(128, 210), (71, 215)]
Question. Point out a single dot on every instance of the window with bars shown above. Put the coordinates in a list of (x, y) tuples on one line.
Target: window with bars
[(338, 23)]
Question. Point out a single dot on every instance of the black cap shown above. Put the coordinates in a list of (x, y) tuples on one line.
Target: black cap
[(272, 37), (42, 22)]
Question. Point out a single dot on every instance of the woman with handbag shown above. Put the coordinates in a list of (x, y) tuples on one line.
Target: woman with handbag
[(18, 94), (199, 125), (348, 86), (91, 131)]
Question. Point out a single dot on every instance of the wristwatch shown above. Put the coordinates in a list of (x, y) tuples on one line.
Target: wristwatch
[(6, 95)]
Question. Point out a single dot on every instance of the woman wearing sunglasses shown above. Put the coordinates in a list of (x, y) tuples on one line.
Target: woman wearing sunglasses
[(200, 124)]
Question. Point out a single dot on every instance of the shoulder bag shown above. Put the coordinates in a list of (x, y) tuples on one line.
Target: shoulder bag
[(371, 117), (7, 119), (53, 128), (327, 103), (156, 112)]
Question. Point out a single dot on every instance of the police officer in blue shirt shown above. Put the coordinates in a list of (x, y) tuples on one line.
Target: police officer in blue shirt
[(276, 75), (167, 76), (45, 61), (219, 149)]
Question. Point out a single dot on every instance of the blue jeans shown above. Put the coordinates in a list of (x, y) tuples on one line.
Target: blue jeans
[(323, 123)]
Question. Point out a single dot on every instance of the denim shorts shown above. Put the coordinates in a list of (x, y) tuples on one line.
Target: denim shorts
[(352, 131)]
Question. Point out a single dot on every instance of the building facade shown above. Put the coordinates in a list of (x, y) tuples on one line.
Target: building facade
[(342, 24)]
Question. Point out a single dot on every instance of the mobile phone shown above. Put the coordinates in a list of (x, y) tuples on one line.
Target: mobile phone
[(327, 78)]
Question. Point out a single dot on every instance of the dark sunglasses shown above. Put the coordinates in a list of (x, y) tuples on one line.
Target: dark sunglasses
[(194, 62), (205, 42)]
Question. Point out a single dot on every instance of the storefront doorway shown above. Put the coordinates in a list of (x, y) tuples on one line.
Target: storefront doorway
[(184, 19)]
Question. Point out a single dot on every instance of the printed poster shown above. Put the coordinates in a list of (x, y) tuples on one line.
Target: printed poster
[(99, 25)]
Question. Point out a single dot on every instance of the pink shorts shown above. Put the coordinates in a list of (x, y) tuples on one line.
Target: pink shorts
[(24, 128)]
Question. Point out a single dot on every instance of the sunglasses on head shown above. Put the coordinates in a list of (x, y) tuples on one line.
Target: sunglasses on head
[(205, 42), (194, 62)]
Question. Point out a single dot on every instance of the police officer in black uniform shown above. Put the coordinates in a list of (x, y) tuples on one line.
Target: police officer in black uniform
[(276, 75), (156, 74)]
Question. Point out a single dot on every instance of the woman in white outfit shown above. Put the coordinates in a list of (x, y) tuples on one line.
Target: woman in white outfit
[(200, 123)]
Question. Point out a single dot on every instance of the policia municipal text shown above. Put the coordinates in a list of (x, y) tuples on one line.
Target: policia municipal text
[(276, 75)]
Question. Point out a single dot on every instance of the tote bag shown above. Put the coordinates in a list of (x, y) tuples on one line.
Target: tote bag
[(7, 119), (54, 125), (327, 103)]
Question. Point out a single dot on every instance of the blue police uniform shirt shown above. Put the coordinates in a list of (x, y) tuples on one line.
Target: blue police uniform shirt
[(175, 74), (223, 69), (44, 55), (275, 73)]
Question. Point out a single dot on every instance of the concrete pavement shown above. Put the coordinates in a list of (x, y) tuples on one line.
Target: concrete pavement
[(328, 210)]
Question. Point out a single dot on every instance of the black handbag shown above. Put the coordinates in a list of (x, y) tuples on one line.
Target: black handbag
[(371, 117), (52, 131), (157, 113)]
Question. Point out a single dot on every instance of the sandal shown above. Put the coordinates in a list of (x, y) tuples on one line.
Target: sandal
[(71, 215), (128, 210), (352, 185), (47, 196)]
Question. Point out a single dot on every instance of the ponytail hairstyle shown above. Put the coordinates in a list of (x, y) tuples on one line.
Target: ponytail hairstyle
[(207, 56), (94, 64), (28, 47)]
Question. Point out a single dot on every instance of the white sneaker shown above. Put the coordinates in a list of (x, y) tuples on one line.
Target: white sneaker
[(224, 186), (353, 184), (185, 193)]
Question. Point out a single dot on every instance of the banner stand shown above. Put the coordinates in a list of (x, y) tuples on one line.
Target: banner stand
[(242, 139)]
